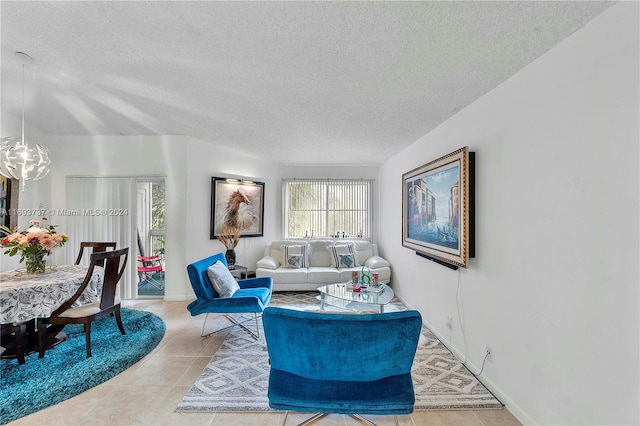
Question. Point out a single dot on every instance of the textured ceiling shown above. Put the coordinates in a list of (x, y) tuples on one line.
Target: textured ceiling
[(291, 82)]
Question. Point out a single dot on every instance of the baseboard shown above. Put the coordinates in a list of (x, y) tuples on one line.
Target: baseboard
[(509, 404)]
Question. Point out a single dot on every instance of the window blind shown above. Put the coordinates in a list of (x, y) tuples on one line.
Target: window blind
[(328, 208)]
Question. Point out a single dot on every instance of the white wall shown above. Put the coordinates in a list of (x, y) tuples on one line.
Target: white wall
[(205, 161), (126, 156), (554, 285)]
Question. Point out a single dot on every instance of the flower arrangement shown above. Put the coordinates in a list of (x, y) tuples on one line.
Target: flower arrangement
[(33, 244), (229, 236)]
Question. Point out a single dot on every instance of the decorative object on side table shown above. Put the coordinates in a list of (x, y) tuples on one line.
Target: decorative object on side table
[(229, 237), (365, 276), (33, 244)]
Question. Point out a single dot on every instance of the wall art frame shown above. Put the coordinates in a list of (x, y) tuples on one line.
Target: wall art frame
[(237, 203), (438, 209)]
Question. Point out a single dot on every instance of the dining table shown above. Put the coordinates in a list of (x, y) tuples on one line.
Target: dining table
[(26, 297)]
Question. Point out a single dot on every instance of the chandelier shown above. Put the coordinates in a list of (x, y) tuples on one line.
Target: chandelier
[(20, 158)]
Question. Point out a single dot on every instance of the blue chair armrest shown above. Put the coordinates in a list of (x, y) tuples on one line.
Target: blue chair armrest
[(265, 282)]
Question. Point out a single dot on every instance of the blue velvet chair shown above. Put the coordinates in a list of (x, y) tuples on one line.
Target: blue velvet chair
[(341, 363), (252, 297)]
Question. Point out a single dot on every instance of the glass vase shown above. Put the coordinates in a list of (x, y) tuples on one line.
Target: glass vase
[(230, 257), (35, 264)]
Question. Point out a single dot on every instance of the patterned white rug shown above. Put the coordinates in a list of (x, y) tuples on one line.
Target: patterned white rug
[(237, 376)]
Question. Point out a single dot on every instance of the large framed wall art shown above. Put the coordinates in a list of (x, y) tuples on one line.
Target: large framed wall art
[(438, 209), (237, 204)]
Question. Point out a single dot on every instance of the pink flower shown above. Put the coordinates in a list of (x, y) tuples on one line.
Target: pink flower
[(47, 242), (15, 237), (33, 238)]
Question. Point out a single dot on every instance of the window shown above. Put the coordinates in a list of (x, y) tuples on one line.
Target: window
[(327, 208)]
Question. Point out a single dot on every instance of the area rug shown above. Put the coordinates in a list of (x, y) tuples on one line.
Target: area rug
[(236, 378), (65, 371)]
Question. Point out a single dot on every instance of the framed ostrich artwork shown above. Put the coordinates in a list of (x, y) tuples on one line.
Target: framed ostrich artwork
[(236, 204)]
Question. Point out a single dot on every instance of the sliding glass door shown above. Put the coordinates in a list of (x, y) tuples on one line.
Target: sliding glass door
[(127, 210)]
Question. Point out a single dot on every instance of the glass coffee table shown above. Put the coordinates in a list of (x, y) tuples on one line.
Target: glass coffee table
[(340, 296)]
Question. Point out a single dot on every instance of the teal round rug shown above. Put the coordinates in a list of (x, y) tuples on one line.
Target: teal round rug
[(65, 372)]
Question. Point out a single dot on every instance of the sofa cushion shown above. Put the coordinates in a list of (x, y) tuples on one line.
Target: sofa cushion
[(318, 254), (323, 275), (221, 279), (267, 262), (296, 253), (337, 250), (291, 276), (364, 250)]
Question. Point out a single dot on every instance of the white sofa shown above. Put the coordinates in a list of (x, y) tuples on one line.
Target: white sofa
[(319, 270)]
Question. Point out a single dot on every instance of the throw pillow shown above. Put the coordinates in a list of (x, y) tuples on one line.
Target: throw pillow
[(336, 251), (347, 261), (221, 279), (301, 250), (294, 261)]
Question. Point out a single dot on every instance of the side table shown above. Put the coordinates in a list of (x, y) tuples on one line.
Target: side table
[(248, 274), (237, 271), (240, 272)]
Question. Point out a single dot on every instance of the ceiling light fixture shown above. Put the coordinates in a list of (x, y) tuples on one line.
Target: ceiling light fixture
[(18, 160)]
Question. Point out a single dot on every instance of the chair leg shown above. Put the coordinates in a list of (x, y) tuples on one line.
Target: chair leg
[(87, 337), (367, 421), (313, 419), (255, 334), (21, 331), (42, 337), (153, 281), (235, 322), (206, 317), (255, 317), (119, 321)]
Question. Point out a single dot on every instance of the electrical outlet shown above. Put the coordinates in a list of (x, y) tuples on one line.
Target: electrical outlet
[(489, 353), (449, 322)]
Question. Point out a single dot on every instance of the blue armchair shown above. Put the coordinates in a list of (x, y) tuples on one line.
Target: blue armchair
[(341, 363), (253, 296)]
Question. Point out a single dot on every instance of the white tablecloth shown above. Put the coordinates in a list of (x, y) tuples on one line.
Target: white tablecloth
[(24, 297)]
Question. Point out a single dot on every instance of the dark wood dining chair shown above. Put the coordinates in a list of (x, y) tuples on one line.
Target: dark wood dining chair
[(13, 336), (114, 262), (96, 247)]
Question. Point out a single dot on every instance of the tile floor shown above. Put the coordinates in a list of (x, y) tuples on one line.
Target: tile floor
[(148, 392)]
